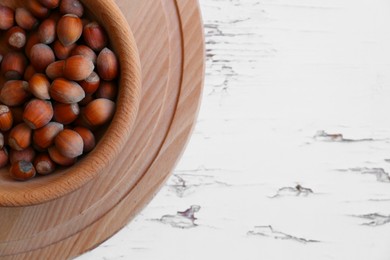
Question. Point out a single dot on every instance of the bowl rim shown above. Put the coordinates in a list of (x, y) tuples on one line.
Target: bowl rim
[(118, 131)]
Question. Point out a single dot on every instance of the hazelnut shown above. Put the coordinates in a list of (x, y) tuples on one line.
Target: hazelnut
[(55, 69), (37, 113), (66, 113), (95, 36), (69, 29), (78, 68), (6, 118), (41, 56), (99, 112), (3, 157), (88, 98), (39, 86), (85, 51), (31, 41), (80, 121), (88, 138), (85, 21), (43, 138), (91, 83), (62, 52), (51, 4), (58, 158), (66, 91), (20, 137), (72, 7), (43, 164), (107, 89), (7, 17), (107, 65), (27, 155), (69, 143), (75, 91), (37, 9), (55, 16), (14, 93), (13, 65), (22, 171), (47, 31), (25, 19), (29, 72), (16, 37)]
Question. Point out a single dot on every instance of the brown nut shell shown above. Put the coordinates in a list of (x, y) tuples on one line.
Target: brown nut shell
[(69, 143), (58, 158), (41, 55), (69, 29), (6, 118), (88, 98), (95, 36), (72, 7), (25, 19), (16, 37), (107, 89), (20, 137), (37, 113), (66, 113), (13, 65), (29, 72), (7, 17), (91, 83), (3, 157), (27, 155), (85, 51), (51, 4), (62, 52), (43, 164), (39, 86), (22, 171), (88, 138), (47, 31), (107, 65), (55, 69), (32, 39), (78, 68), (99, 112), (80, 121), (65, 91), (37, 9), (43, 138), (14, 93)]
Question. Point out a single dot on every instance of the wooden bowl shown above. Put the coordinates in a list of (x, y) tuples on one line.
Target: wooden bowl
[(67, 180)]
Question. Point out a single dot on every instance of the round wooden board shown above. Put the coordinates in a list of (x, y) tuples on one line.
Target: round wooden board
[(169, 36)]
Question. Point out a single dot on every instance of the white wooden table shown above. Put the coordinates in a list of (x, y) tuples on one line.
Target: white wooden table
[(262, 179)]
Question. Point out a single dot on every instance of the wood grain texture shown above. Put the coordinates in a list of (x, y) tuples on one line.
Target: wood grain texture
[(263, 181), (172, 75)]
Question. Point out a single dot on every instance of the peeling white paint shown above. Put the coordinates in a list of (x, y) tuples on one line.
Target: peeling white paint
[(278, 71)]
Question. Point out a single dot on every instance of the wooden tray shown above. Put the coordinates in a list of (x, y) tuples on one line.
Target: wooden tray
[(169, 36)]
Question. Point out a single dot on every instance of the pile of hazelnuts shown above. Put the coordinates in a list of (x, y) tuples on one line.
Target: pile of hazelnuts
[(58, 84)]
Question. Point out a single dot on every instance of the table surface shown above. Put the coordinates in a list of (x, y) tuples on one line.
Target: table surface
[(290, 156)]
